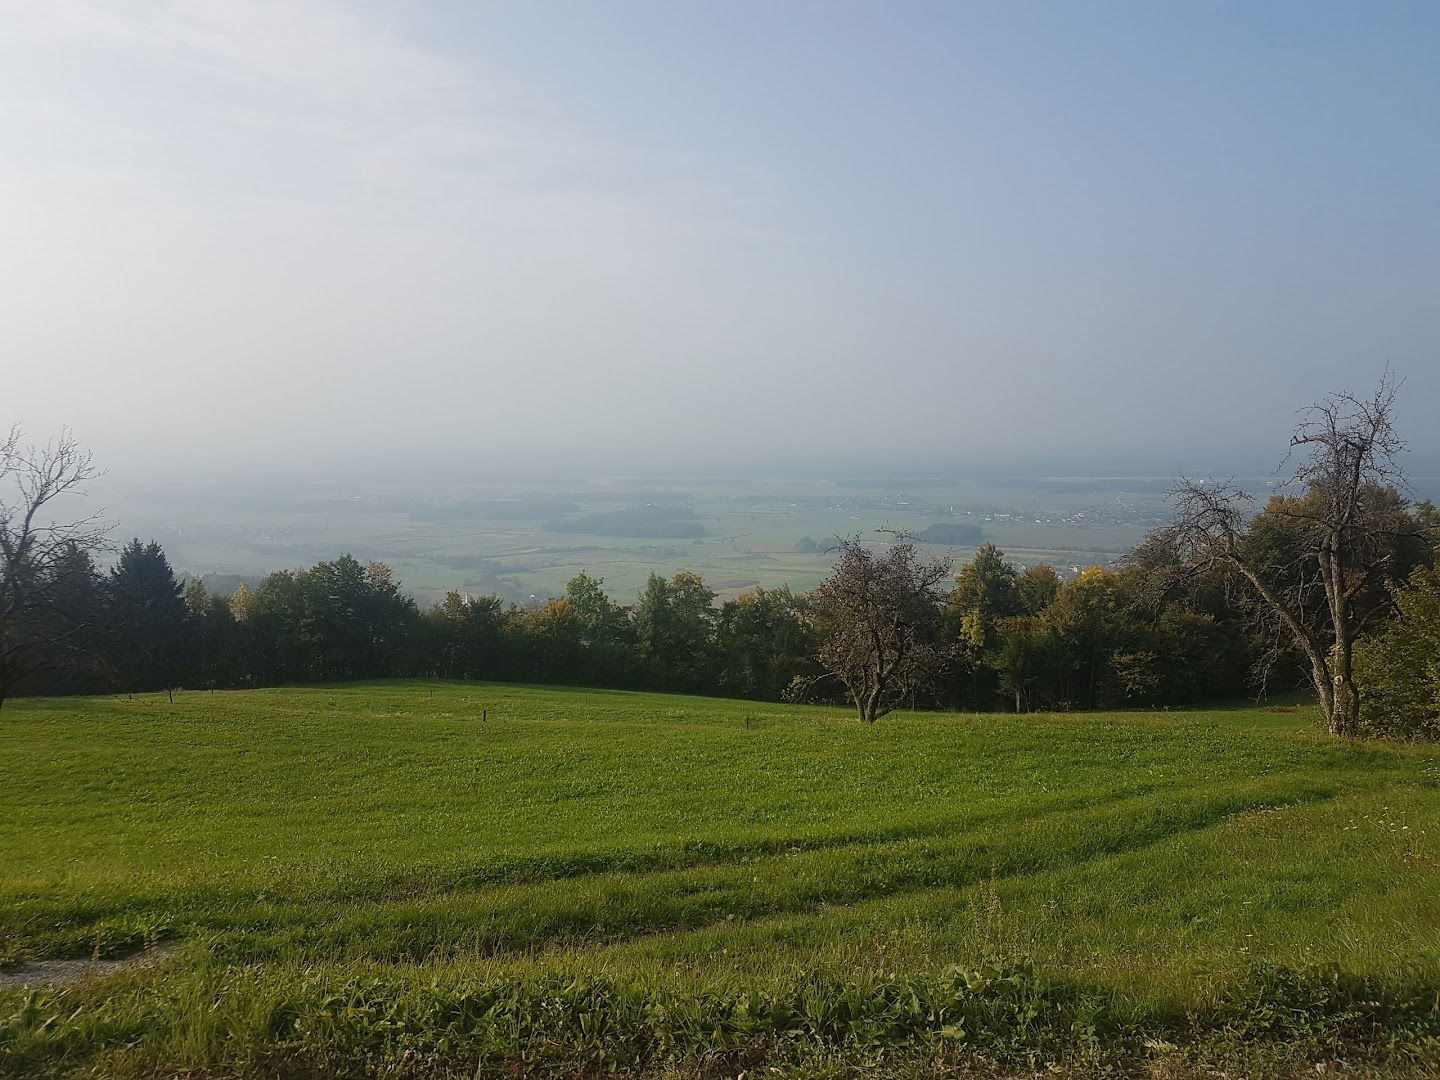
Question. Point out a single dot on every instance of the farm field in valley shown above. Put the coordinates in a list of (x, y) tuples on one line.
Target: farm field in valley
[(477, 879), (523, 539)]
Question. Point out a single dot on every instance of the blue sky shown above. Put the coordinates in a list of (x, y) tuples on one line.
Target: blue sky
[(658, 234)]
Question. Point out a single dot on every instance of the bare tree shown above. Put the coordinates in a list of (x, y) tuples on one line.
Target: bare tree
[(1318, 561), (37, 549), (878, 615)]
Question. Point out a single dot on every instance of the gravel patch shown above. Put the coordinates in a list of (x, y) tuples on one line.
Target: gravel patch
[(67, 972)]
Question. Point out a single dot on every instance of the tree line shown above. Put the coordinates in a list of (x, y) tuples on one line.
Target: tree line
[(1329, 583), (992, 636)]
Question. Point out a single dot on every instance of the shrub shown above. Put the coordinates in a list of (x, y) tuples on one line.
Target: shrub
[(1398, 670)]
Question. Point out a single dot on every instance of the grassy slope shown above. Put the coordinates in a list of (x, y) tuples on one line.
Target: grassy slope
[(695, 845)]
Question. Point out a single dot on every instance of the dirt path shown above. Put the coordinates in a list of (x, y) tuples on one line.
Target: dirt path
[(66, 972)]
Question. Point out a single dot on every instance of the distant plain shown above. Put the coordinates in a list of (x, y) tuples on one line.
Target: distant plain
[(523, 539)]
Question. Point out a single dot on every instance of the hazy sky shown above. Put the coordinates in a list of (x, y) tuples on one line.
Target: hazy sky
[(669, 234)]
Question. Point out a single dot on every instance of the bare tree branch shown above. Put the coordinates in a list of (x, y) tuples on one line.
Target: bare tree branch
[(38, 548), (1321, 567)]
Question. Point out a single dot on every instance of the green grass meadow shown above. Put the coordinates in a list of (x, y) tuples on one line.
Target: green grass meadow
[(372, 879)]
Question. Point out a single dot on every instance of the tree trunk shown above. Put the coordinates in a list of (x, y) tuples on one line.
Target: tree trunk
[(1345, 720), (1345, 700), (1325, 690), (1326, 683)]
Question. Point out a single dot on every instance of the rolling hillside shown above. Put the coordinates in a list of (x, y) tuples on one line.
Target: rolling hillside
[(477, 879)]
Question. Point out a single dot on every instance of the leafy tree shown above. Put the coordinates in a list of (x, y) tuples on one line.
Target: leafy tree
[(468, 637), (278, 645), (880, 626), (1138, 675), (602, 621), (608, 655), (149, 621), (1398, 670), (1199, 658), (988, 597), (70, 631), (217, 644), (766, 638), (1086, 623), (1024, 658), (987, 584), (242, 602), (1195, 619), (1036, 588), (334, 623), (354, 619), (674, 624), (553, 641), (986, 590)]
